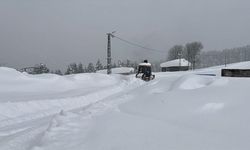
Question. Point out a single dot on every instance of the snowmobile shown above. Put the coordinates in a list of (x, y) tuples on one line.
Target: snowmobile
[(144, 71)]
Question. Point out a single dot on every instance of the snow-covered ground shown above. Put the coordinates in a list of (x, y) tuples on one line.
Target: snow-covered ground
[(119, 70), (176, 111)]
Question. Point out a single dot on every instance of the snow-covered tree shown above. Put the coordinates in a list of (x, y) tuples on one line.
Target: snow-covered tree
[(90, 68), (80, 68), (40, 68), (72, 69), (58, 72), (99, 65)]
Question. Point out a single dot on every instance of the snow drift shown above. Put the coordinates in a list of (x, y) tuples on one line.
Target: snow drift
[(177, 111)]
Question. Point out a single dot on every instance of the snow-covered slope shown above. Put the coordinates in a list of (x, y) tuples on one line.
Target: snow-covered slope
[(22, 94), (176, 111)]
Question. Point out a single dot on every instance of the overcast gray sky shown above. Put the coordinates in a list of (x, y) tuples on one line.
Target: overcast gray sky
[(58, 32)]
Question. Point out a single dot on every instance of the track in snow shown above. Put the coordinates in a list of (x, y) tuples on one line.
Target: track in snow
[(24, 132)]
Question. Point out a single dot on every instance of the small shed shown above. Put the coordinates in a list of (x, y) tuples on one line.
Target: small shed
[(175, 65)]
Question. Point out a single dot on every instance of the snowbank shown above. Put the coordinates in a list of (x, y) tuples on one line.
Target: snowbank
[(120, 70), (190, 82), (24, 95)]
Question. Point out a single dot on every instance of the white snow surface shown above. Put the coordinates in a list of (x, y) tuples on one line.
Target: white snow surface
[(118, 70), (176, 111)]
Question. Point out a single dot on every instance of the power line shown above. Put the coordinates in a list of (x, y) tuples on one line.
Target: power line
[(138, 45)]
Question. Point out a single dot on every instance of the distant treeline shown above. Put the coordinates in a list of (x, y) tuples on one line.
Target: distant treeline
[(201, 59), (74, 68), (227, 56), (191, 51)]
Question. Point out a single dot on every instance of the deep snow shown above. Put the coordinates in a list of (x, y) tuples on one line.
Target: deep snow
[(176, 111), (119, 70)]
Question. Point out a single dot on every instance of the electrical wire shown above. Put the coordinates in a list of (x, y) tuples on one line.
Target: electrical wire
[(138, 45)]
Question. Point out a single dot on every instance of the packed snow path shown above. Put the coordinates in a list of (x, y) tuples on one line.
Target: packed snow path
[(29, 103), (176, 111)]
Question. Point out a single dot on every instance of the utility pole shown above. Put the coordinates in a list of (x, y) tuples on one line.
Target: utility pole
[(179, 55), (109, 52), (225, 58), (245, 54)]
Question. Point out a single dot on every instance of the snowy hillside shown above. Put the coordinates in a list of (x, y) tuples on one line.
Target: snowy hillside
[(176, 111)]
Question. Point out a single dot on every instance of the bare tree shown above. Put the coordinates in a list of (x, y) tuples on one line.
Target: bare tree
[(193, 49), (175, 52)]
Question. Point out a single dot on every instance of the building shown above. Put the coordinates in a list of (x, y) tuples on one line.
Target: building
[(175, 65)]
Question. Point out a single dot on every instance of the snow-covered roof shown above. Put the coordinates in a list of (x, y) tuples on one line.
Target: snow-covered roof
[(176, 62), (144, 64), (119, 70)]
